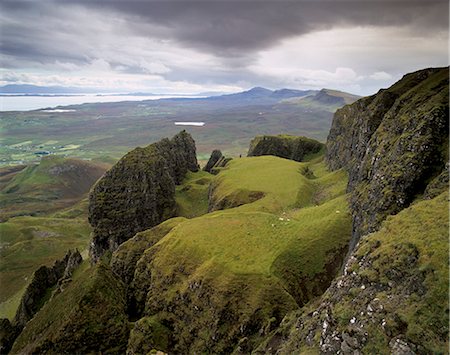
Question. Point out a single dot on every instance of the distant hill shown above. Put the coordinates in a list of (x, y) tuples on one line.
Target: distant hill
[(260, 93), (325, 99), (61, 181)]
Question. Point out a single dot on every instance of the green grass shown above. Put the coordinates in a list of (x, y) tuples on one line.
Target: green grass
[(89, 315), (255, 262), (405, 266), (55, 183), (29, 242), (264, 229), (426, 315), (192, 195), (279, 179)]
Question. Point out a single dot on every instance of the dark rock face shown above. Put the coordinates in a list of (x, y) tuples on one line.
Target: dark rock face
[(438, 185), (88, 317), (289, 147), (8, 333), (213, 159), (43, 279), (138, 192), (392, 144), (36, 294)]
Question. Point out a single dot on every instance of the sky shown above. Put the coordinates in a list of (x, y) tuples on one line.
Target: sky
[(184, 46)]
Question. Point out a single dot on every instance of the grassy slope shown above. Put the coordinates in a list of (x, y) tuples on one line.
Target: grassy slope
[(53, 184), (402, 272), (54, 190), (29, 242), (89, 316), (257, 253), (265, 229), (422, 227), (192, 195)]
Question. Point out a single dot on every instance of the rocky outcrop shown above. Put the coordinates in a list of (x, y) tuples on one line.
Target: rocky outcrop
[(215, 162), (36, 294), (43, 279), (438, 185), (138, 192), (213, 159), (88, 317), (284, 146), (392, 144)]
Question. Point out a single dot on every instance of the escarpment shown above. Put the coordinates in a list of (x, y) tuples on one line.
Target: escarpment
[(392, 144), (139, 191), (391, 297), (284, 146)]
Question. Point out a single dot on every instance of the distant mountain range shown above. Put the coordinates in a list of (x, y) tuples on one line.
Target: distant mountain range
[(254, 94)]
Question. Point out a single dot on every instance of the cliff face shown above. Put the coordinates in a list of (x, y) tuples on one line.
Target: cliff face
[(289, 147), (392, 144), (392, 296), (139, 191)]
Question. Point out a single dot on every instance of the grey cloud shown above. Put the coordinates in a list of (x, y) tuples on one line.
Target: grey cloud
[(228, 28), (35, 34), (231, 27)]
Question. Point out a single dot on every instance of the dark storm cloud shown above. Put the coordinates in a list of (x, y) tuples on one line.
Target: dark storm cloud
[(186, 44), (233, 27), (225, 28)]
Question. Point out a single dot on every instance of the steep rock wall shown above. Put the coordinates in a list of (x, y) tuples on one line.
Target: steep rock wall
[(392, 144), (138, 192)]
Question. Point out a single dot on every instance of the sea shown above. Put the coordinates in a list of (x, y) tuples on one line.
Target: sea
[(36, 102)]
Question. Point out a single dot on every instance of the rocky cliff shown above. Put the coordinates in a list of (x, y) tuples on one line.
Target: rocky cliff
[(392, 144), (392, 296), (36, 294), (391, 299), (284, 146), (138, 192)]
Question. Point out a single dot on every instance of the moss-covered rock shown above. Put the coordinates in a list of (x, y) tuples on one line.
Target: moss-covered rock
[(392, 144), (392, 297), (88, 317), (138, 192), (147, 335), (284, 146)]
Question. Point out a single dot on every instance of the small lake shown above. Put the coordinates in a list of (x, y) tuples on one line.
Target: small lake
[(197, 124)]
